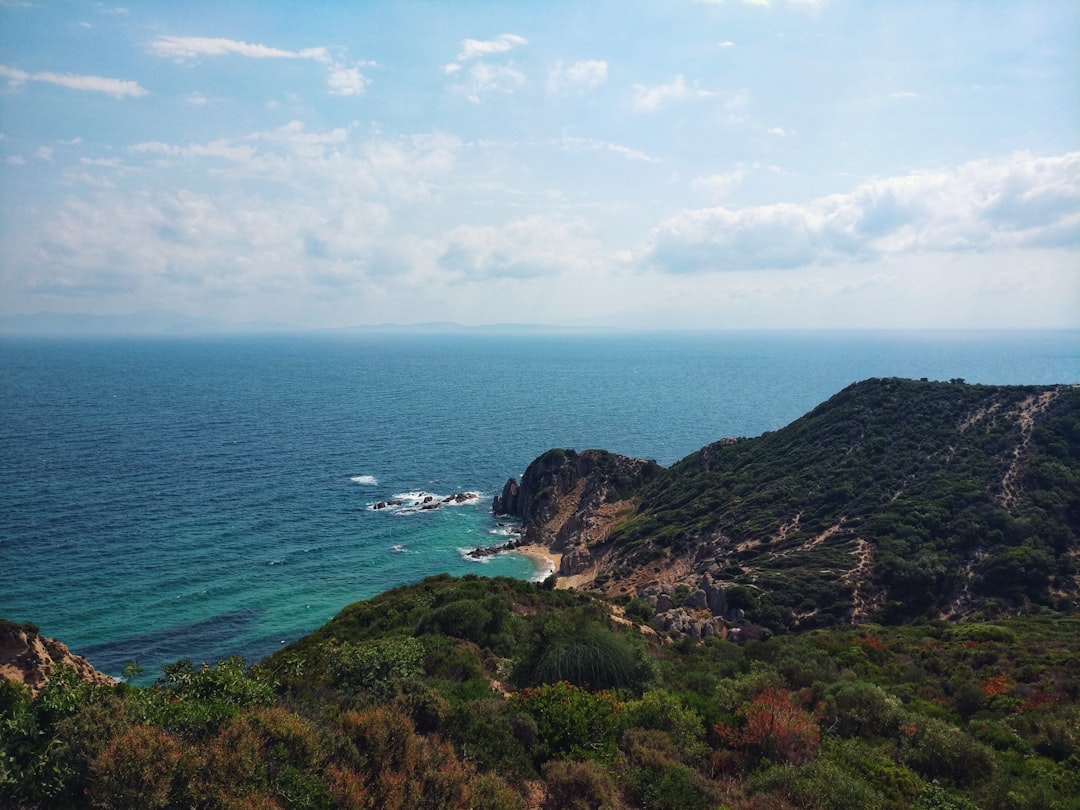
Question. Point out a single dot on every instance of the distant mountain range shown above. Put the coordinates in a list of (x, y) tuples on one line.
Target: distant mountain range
[(168, 322), (146, 322)]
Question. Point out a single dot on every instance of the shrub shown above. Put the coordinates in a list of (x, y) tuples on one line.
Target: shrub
[(861, 709), (638, 610), (587, 655), (941, 751), (137, 768), (375, 667), (579, 786), (775, 727), (822, 785), (661, 711), (656, 779), (488, 733), (571, 721)]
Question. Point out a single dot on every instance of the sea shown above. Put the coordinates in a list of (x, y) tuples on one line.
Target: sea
[(174, 498)]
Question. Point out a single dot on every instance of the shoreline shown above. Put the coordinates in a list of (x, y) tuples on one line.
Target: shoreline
[(547, 562)]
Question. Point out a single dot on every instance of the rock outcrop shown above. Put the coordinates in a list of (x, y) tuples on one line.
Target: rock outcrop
[(30, 658), (569, 501)]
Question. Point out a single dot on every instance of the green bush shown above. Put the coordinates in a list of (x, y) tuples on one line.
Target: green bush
[(661, 711), (584, 653), (571, 721)]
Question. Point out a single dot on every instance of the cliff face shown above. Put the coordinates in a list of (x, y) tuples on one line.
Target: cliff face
[(569, 501), (29, 658), (894, 500)]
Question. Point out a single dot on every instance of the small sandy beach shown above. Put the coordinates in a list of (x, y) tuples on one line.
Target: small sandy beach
[(547, 562)]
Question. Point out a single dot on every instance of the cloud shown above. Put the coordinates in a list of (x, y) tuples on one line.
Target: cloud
[(194, 47), (345, 81), (291, 211), (221, 148), (590, 145), (721, 185), (117, 88), (341, 79), (650, 99), (1021, 201), (485, 77), (472, 48), (523, 248), (577, 77)]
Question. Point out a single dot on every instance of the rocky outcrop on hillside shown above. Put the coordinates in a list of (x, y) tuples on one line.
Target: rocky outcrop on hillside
[(30, 658), (894, 500), (569, 501)]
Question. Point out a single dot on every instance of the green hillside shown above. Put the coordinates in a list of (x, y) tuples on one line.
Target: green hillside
[(479, 693), (895, 500)]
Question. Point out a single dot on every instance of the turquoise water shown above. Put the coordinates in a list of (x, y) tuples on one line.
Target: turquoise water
[(195, 497)]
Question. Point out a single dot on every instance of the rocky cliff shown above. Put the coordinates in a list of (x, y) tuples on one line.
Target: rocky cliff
[(893, 500), (30, 658), (569, 502)]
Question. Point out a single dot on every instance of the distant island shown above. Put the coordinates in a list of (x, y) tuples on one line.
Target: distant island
[(873, 607)]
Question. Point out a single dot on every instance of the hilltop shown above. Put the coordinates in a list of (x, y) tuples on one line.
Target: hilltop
[(895, 500)]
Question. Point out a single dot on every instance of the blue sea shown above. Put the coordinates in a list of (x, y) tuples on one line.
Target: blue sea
[(196, 497)]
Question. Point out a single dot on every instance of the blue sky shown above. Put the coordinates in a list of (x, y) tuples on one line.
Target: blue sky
[(668, 164)]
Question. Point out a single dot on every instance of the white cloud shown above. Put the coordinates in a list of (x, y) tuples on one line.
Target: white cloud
[(486, 77), (44, 153), (721, 185), (193, 47), (522, 248), (292, 210), (1021, 201), (112, 163), (345, 81), (577, 77), (341, 79), (118, 88), (652, 98), (15, 160), (472, 48), (483, 78), (196, 98), (221, 148), (589, 145)]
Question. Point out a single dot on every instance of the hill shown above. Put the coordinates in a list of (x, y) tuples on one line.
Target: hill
[(504, 694), (895, 500)]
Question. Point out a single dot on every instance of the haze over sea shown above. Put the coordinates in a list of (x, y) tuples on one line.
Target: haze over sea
[(167, 498)]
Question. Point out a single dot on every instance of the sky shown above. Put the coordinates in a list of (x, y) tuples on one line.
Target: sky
[(716, 164)]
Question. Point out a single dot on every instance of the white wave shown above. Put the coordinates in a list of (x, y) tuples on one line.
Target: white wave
[(365, 480), (484, 560), (408, 503), (543, 569)]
